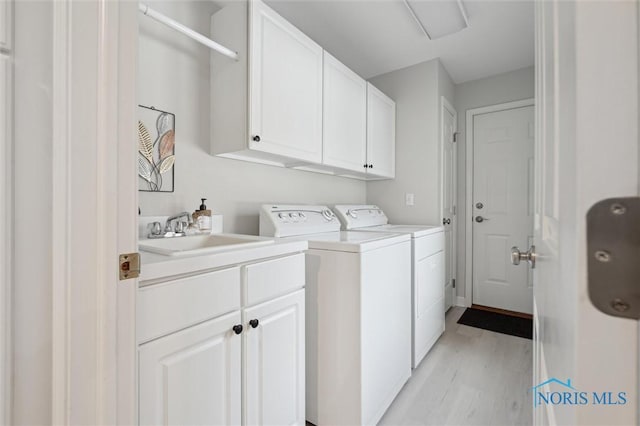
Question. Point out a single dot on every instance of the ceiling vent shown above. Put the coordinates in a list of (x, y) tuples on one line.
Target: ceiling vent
[(437, 19)]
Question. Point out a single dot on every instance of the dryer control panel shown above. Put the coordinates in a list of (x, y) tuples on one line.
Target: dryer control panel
[(354, 216), (288, 220)]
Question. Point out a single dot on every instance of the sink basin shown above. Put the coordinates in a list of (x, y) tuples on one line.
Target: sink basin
[(201, 244)]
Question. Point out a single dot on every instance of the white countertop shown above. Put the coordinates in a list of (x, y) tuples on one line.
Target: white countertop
[(350, 241), (156, 266)]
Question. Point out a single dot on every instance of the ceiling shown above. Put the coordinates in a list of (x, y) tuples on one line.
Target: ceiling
[(377, 36)]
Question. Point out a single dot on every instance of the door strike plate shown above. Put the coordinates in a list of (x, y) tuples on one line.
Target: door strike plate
[(129, 266), (613, 256)]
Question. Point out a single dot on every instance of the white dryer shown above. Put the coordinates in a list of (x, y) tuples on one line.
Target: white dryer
[(358, 314), (428, 273)]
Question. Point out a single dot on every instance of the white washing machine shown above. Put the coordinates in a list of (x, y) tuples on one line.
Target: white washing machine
[(358, 314), (428, 273)]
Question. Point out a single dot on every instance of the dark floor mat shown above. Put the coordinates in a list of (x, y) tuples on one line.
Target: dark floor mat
[(500, 323)]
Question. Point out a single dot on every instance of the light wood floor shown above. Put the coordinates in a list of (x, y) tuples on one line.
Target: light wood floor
[(470, 377)]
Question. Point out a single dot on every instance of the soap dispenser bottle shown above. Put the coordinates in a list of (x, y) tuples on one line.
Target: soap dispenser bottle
[(202, 217)]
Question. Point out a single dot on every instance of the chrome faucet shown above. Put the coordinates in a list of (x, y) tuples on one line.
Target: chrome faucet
[(179, 230), (167, 225)]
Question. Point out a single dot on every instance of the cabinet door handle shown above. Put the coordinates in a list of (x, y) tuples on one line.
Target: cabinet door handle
[(254, 323), (256, 138), (237, 328), (365, 166), (371, 166)]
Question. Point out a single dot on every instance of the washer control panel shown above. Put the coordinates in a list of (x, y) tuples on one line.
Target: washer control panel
[(287, 220), (354, 216)]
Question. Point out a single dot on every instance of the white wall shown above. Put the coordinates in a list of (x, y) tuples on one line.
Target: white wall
[(507, 87), (417, 91), (173, 75), (32, 281)]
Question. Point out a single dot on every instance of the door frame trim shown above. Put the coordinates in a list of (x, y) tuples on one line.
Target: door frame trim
[(471, 113), (445, 104), (6, 227)]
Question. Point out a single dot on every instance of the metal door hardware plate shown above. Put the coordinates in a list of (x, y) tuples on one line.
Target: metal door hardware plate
[(613, 244), (129, 266)]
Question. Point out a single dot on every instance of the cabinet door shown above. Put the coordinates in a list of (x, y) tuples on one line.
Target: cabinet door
[(285, 88), (381, 133), (428, 304), (344, 133), (274, 361), (192, 377)]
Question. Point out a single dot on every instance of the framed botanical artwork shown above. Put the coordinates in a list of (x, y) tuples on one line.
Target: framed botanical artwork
[(156, 149)]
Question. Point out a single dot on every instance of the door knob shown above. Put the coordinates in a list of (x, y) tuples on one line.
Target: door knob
[(529, 256), (237, 328), (480, 219), (446, 221), (256, 138), (254, 323)]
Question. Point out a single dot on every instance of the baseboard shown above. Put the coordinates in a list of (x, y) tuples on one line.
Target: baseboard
[(460, 301)]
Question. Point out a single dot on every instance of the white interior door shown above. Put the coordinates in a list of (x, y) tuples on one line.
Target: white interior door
[(503, 145), (586, 151), (449, 197)]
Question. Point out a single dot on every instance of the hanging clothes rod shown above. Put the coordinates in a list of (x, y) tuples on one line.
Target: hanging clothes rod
[(163, 19)]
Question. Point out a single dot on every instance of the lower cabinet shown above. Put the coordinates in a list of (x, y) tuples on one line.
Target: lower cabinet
[(274, 362), (244, 367), (193, 377)]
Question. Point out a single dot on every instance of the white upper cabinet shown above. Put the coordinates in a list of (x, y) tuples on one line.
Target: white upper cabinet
[(267, 106), (344, 117), (286, 102), (285, 88), (381, 133)]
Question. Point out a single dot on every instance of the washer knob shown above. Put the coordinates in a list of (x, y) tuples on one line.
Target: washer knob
[(327, 214)]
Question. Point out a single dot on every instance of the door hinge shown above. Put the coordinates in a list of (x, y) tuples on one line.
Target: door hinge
[(455, 136), (129, 266), (613, 249), (454, 282)]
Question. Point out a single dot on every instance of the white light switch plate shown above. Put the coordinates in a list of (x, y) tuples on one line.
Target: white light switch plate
[(408, 199)]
